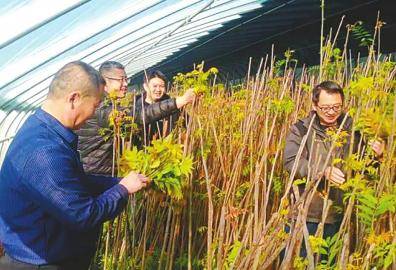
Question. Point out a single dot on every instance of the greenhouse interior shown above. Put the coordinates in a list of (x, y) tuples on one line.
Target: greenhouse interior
[(198, 134)]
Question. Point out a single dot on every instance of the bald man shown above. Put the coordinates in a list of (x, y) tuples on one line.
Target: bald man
[(51, 211)]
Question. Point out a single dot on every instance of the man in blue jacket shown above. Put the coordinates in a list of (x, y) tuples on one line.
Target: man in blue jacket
[(50, 210)]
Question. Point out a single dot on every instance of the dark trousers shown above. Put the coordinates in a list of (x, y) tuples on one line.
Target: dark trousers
[(329, 230), (8, 263)]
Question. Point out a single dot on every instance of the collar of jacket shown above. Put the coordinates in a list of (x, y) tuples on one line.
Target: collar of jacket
[(106, 101), (52, 123), (319, 128)]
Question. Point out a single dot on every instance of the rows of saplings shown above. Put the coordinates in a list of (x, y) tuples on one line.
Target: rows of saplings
[(219, 197)]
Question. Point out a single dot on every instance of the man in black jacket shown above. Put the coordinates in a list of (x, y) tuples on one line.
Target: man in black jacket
[(327, 115), (155, 92), (96, 153)]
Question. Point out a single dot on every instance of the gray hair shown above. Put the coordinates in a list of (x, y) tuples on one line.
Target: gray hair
[(109, 65), (76, 76)]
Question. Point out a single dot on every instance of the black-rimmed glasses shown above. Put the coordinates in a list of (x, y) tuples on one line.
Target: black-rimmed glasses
[(122, 79), (336, 108)]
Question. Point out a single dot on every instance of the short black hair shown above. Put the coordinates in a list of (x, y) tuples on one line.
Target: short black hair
[(330, 87), (109, 65), (156, 74)]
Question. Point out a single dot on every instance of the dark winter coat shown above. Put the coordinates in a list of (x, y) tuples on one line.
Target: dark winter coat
[(95, 152), (151, 130), (318, 145)]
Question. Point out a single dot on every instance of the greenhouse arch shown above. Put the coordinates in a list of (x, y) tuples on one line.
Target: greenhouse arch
[(261, 132)]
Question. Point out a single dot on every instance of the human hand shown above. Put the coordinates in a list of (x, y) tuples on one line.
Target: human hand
[(335, 175), (134, 182), (377, 146), (186, 98)]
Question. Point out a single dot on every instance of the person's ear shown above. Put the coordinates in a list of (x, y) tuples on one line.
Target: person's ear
[(74, 98), (105, 88), (314, 107)]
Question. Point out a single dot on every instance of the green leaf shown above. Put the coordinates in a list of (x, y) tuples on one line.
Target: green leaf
[(155, 164), (163, 162), (299, 181)]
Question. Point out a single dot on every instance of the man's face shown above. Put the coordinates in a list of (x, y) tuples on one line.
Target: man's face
[(116, 80), (329, 108), (155, 89)]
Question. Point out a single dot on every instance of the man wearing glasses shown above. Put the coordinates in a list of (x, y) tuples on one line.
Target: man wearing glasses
[(97, 153), (327, 115)]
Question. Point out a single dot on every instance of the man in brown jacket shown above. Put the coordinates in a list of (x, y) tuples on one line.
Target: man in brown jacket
[(327, 114)]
